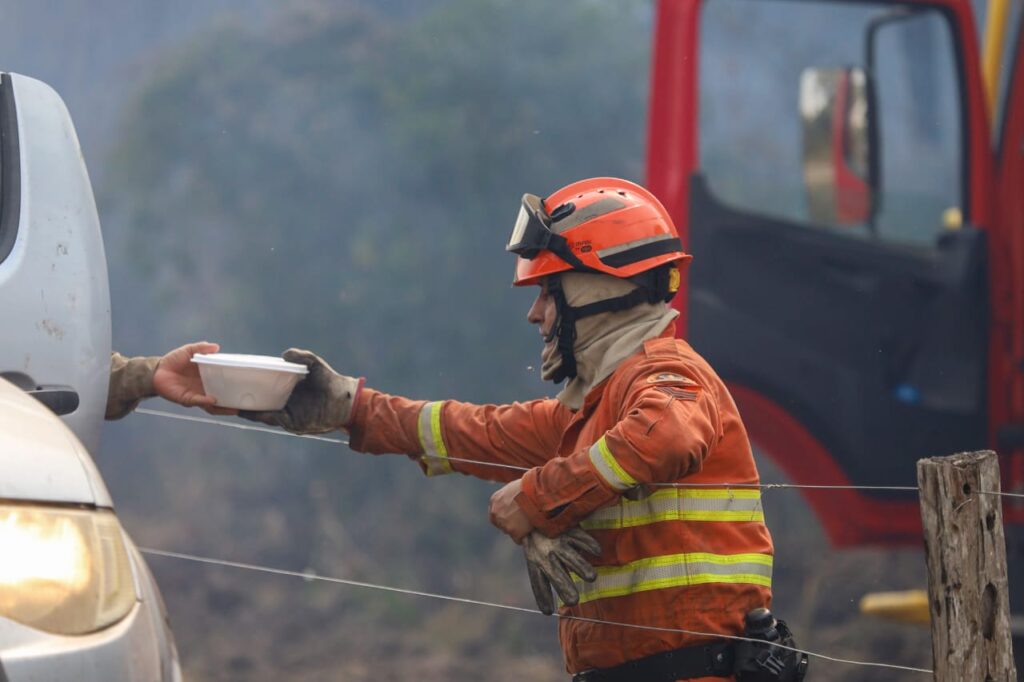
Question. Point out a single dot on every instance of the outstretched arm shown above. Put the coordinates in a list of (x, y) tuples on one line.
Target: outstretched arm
[(504, 439), (437, 434), (173, 377)]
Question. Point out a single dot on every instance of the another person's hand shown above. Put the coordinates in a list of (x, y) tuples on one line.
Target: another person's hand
[(321, 402), (549, 562), (507, 515), (177, 378)]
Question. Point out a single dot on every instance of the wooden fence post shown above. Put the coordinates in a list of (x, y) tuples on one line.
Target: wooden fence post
[(966, 554)]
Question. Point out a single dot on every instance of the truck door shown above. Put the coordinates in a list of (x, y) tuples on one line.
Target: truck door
[(54, 297), (836, 186), (1007, 390)]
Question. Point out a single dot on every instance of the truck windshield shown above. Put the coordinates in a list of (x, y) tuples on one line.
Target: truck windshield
[(752, 142)]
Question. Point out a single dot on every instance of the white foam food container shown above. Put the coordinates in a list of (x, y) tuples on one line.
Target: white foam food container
[(248, 382)]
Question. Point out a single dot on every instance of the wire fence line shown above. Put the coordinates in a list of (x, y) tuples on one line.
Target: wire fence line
[(500, 465), (310, 576)]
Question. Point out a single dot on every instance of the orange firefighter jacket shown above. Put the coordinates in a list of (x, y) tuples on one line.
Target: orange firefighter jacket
[(694, 557)]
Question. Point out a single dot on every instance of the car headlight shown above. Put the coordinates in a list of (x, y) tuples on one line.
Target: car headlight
[(63, 571)]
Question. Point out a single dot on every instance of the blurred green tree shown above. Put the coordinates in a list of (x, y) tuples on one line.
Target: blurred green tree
[(344, 181)]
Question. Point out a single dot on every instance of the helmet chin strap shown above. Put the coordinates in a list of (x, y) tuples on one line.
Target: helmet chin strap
[(565, 329), (652, 287)]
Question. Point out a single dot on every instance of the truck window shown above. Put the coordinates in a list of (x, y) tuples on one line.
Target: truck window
[(10, 169), (754, 54)]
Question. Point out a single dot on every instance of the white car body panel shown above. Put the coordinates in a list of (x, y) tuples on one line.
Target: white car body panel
[(53, 283), (139, 647), (42, 462), (55, 312), (40, 457)]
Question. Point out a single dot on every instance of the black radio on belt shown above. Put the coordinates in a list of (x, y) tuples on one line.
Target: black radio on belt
[(762, 661), (750, 661)]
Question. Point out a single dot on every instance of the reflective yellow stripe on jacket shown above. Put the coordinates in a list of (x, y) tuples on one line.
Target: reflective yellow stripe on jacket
[(609, 468), (435, 453), (672, 504), (680, 504), (676, 570)]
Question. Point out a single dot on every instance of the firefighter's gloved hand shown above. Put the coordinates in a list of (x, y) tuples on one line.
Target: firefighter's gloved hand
[(549, 561), (321, 402)]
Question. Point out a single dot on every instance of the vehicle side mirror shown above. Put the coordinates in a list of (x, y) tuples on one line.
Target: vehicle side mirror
[(837, 145)]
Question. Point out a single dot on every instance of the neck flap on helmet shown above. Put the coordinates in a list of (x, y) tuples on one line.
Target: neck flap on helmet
[(654, 286)]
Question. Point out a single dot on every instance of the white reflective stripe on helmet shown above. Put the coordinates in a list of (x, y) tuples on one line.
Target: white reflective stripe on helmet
[(435, 453), (680, 504), (612, 250), (676, 570), (594, 210), (609, 468)]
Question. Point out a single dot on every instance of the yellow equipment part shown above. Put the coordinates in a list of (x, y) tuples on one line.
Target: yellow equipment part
[(995, 34), (910, 606)]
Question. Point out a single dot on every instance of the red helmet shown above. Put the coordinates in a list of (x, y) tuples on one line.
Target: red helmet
[(604, 225)]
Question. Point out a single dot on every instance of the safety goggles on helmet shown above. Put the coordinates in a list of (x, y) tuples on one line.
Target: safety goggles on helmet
[(532, 231)]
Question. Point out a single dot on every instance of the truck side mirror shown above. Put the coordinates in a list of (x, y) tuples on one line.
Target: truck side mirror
[(837, 145)]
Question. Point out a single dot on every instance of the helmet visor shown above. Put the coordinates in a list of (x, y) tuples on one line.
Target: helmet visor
[(531, 233)]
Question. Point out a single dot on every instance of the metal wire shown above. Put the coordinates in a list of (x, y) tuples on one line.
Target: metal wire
[(234, 425), (759, 486), (309, 576), (769, 486), (1000, 493), (475, 602)]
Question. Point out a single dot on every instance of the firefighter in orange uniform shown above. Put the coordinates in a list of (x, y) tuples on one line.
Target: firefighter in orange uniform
[(640, 409)]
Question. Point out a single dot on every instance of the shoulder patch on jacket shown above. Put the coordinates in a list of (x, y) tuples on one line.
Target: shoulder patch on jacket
[(670, 378), (678, 392)]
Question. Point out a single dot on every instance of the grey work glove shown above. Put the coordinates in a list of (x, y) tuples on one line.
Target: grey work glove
[(321, 402), (549, 561)]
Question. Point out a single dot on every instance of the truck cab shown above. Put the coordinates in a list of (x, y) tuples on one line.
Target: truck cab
[(848, 177)]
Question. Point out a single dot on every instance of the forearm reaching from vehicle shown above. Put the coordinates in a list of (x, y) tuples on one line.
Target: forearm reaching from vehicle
[(177, 378), (173, 377), (131, 380), (550, 562), (322, 402)]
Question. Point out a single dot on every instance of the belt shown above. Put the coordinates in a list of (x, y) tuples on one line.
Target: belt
[(705, 660)]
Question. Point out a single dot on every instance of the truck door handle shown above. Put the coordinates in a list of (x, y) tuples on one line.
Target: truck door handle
[(61, 399)]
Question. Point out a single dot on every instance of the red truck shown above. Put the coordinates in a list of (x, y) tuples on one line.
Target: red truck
[(850, 178)]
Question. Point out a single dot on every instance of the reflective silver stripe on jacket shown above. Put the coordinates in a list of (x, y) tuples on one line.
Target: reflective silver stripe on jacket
[(608, 467), (435, 454), (680, 504)]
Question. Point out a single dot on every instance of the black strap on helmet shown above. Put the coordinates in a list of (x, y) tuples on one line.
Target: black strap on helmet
[(564, 329), (559, 245), (653, 286)]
